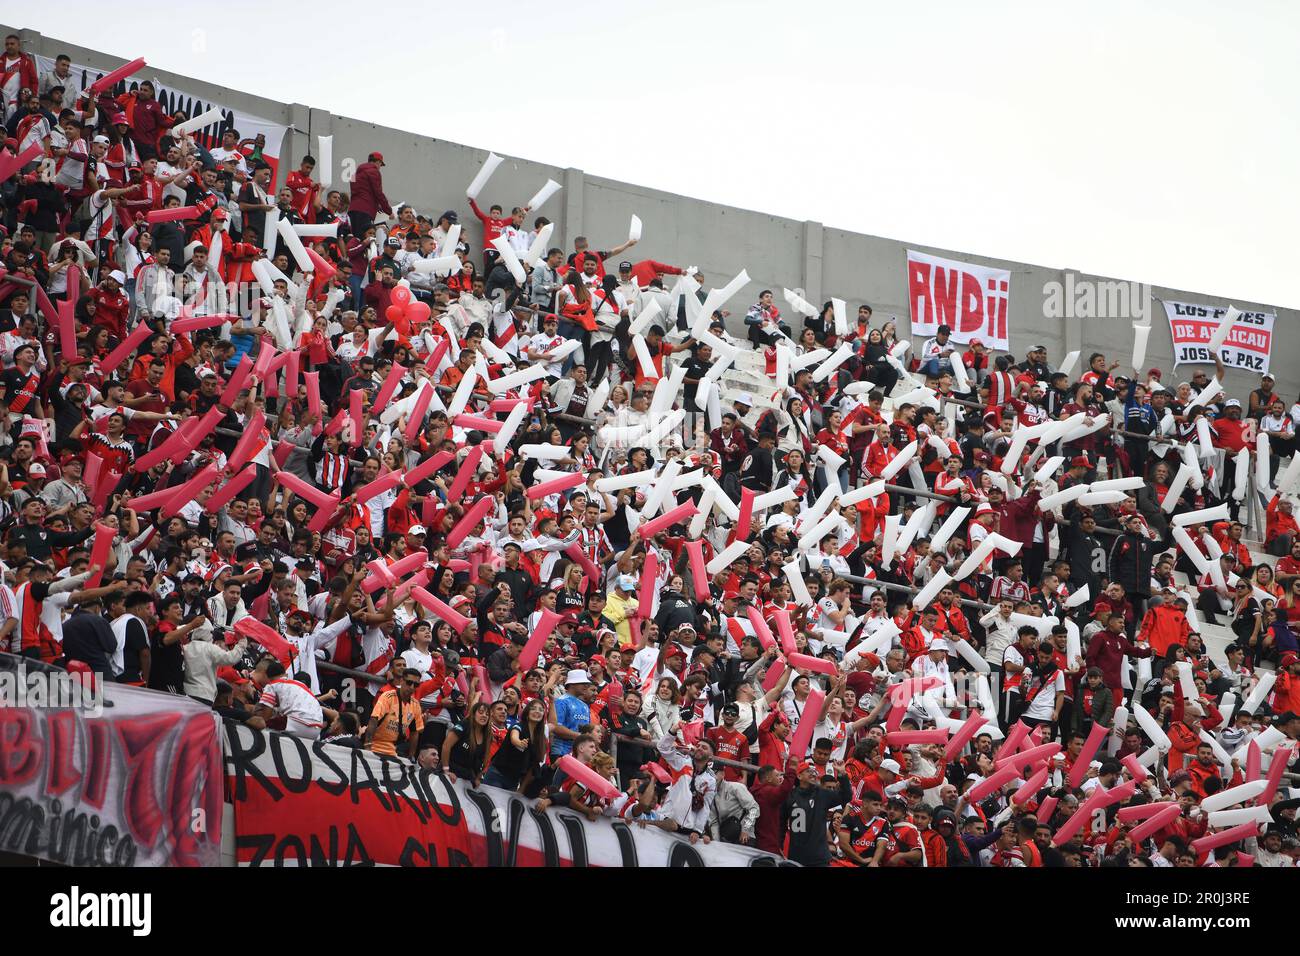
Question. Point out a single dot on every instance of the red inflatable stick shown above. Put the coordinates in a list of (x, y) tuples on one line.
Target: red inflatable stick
[(415, 420), (312, 381), (905, 738), (226, 493), (699, 576), (761, 630), (172, 214), (785, 633), (322, 518), (803, 733), (649, 584), (575, 553), (379, 577), (236, 383), (189, 491), (110, 79), (303, 490), (427, 467), (395, 374), (1242, 831), (99, 550), (537, 640), (663, 522), (805, 662), (556, 485), (1281, 757), (1026, 758), (963, 736), (248, 441), (993, 782), (476, 513), (127, 346), (465, 474), (773, 674), (589, 779), (747, 496), (378, 486), (1131, 814), (324, 268), (11, 164), (195, 323), (257, 632), (478, 423), (1080, 768), (68, 328), (426, 600), (1029, 789)]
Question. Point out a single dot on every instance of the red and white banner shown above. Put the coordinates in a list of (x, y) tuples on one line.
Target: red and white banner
[(306, 803), (1249, 344), (136, 783), (249, 125), (971, 300)]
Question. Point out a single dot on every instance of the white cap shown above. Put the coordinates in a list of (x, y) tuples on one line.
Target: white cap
[(103, 140), (1232, 403), (417, 529), (118, 276), (939, 644), (577, 676), (744, 398), (892, 766)]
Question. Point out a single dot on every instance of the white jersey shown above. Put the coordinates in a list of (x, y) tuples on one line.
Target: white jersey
[(295, 701)]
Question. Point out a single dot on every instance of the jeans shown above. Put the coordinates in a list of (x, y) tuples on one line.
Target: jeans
[(495, 778)]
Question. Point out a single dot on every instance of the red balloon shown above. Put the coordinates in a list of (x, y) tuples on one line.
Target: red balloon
[(418, 311), (401, 295), (395, 313)]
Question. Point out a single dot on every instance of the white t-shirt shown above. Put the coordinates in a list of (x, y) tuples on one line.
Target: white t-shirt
[(295, 701), (1044, 702), (422, 661)]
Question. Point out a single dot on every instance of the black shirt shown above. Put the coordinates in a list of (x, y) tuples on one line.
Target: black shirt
[(88, 638), (137, 640)]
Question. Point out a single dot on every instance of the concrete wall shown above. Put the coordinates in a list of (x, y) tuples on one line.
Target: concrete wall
[(721, 240)]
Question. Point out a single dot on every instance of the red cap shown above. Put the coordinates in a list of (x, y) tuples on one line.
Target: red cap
[(1289, 658), (1080, 461), (805, 765), (377, 158), (230, 675)]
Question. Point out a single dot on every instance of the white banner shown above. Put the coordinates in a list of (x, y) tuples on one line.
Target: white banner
[(1249, 345), (172, 99), (971, 300), (308, 803), (136, 782)]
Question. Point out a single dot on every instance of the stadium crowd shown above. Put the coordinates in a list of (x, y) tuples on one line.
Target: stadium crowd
[(916, 604)]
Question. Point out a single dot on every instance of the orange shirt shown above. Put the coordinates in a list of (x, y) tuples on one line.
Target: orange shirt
[(396, 719)]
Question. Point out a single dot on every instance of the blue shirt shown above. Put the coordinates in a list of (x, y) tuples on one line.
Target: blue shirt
[(572, 713)]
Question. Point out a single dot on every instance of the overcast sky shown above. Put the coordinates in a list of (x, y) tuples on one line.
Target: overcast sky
[(1155, 144)]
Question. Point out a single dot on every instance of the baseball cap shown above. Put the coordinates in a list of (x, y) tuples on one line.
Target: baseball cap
[(102, 140), (984, 508), (1232, 403), (624, 266), (451, 216), (36, 470), (377, 158), (892, 766), (392, 241), (416, 529)]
